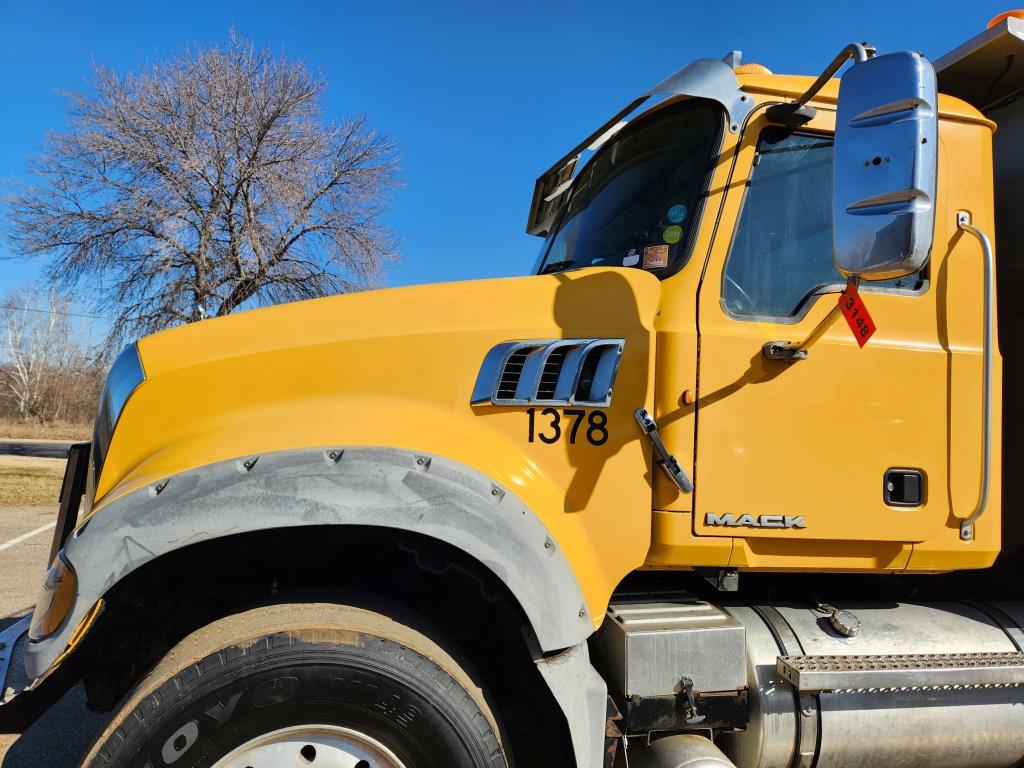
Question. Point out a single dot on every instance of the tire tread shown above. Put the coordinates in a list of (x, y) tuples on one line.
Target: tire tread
[(244, 638)]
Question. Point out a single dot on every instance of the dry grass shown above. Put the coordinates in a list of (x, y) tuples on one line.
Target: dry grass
[(32, 430), (25, 481)]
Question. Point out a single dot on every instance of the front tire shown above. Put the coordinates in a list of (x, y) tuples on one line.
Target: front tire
[(309, 684)]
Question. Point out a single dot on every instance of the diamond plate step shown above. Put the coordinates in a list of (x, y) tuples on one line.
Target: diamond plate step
[(926, 671)]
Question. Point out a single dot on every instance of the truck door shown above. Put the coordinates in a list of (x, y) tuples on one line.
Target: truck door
[(843, 454)]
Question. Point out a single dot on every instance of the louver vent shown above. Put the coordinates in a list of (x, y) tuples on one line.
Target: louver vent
[(511, 373), (588, 373), (555, 372), (549, 374)]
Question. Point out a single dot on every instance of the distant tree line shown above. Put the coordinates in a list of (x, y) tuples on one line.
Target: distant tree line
[(50, 369)]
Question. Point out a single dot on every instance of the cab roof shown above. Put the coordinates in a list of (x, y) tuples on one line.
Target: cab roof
[(789, 87)]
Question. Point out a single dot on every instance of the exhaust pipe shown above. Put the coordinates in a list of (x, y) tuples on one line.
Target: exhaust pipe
[(686, 750)]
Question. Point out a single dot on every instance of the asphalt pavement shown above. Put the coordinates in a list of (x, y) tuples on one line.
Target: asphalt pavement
[(42, 449), (23, 554), (60, 737)]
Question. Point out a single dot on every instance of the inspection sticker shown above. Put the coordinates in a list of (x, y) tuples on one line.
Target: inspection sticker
[(856, 313), (655, 256), (676, 213)]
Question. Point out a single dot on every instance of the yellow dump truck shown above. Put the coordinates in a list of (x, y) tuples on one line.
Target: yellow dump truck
[(723, 483)]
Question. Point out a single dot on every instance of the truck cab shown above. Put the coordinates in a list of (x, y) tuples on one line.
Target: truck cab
[(850, 457)]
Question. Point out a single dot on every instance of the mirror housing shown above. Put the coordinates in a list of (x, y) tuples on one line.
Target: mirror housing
[(884, 172)]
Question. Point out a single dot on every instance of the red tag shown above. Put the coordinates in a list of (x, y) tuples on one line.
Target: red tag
[(856, 314)]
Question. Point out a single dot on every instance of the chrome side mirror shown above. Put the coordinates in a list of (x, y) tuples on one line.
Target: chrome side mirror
[(886, 159)]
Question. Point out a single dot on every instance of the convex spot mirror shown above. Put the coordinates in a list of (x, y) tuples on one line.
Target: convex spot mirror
[(886, 158)]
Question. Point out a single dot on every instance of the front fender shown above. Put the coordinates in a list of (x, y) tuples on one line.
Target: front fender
[(383, 487), (398, 368)]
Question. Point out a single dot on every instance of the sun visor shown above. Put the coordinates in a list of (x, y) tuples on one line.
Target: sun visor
[(705, 79)]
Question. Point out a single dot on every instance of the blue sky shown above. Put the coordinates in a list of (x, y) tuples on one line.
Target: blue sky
[(482, 97)]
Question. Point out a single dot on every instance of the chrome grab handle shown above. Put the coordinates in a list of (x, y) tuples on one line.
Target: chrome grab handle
[(963, 222)]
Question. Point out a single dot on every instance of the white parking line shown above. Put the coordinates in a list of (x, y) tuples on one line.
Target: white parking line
[(27, 536)]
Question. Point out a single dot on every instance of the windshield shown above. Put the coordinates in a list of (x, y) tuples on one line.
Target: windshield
[(635, 203)]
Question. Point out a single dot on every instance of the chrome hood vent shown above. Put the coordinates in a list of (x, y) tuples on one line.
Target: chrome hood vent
[(549, 372)]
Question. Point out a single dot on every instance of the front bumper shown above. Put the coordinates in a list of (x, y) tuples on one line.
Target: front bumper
[(14, 677)]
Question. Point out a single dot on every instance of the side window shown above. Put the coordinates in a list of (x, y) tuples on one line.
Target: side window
[(781, 253)]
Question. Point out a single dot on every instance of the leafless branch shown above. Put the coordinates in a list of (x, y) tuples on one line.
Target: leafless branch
[(205, 184)]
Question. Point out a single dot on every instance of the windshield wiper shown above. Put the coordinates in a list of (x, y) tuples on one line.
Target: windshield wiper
[(556, 266)]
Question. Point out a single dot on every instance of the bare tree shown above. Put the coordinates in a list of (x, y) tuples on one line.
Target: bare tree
[(207, 183), (52, 370)]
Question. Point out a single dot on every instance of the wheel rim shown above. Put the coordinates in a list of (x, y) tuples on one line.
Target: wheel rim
[(311, 746)]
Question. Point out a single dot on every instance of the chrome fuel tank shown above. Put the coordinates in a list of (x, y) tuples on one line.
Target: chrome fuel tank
[(912, 724)]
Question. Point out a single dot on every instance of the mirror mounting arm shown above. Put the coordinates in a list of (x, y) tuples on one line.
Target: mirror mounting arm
[(790, 351), (796, 113)]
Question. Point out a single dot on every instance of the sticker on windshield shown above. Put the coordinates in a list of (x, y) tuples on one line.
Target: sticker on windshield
[(676, 213), (655, 257), (631, 259), (672, 234)]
